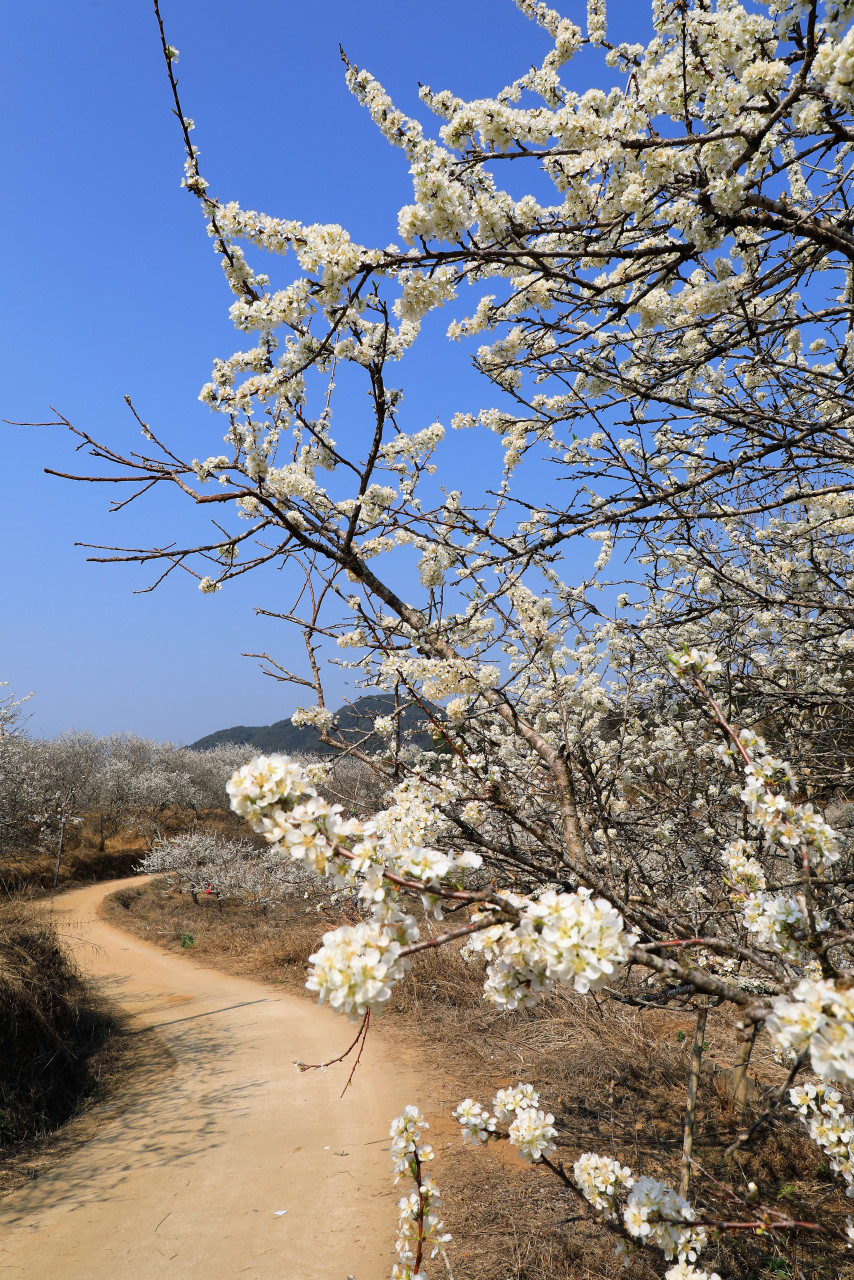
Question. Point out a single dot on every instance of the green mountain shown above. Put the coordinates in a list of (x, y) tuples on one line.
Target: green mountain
[(353, 720)]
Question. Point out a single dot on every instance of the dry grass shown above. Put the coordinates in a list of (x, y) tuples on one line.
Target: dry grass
[(241, 940), (614, 1077), (52, 1052)]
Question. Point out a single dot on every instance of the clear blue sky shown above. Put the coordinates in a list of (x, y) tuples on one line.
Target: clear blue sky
[(111, 288)]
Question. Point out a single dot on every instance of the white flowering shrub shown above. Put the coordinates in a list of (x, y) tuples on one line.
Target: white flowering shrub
[(668, 325), (204, 862), (10, 712), (22, 790), (46, 786)]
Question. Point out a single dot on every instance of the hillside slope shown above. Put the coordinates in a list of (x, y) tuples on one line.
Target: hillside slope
[(354, 720)]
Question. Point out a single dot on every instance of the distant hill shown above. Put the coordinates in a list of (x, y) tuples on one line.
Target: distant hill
[(353, 720)]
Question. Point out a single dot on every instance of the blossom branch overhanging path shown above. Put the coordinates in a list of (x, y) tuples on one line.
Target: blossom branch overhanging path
[(673, 334)]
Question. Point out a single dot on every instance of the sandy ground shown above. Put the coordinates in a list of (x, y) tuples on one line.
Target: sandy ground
[(190, 1181)]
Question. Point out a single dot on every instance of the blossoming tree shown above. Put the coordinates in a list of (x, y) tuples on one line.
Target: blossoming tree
[(669, 325)]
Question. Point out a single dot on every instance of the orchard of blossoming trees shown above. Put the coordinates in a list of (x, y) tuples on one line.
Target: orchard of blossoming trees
[(637, 744), (120, 784)]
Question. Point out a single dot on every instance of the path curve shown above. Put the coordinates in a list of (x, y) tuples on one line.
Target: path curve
[(189, 1182)]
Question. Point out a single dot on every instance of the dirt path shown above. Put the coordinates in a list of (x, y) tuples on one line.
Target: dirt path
[(190, 1181)]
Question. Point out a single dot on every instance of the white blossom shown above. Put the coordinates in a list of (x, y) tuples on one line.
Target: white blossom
[(476, 1122), (818, 1016)]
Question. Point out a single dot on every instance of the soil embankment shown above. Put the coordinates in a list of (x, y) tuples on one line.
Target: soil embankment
[(190, 1181)]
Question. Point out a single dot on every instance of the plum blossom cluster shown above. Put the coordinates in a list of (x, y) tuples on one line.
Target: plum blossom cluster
[(785, 824), (529, 1129), (420, 1231), (746, 874), (694, 663), (771, 917), (357, 966), (554, 938), (657, 1215), (413, 814), (650, 1212), (534, 615), (778, 921), (600, 1180), (817, 1017), (263, 787), (561, 938), (477, 1124), (830, 1127)]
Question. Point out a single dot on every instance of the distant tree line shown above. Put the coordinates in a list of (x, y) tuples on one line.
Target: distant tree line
[(121, 783)]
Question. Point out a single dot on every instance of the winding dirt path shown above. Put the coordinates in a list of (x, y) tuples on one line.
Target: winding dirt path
[(189, 1182)]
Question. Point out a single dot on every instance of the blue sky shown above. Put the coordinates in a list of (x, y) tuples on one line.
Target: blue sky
[(112, 288)]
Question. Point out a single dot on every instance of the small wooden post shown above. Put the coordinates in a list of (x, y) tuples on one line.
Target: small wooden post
[(739, 1075), (691, 1109)]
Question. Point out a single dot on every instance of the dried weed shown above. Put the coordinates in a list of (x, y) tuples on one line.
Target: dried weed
[(54, 1030)]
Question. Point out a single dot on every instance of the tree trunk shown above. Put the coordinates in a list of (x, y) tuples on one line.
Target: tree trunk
[(59, 851)]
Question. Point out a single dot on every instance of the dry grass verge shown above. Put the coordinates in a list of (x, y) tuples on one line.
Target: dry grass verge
[(615, 1079), (52, 1028), (62, 1052)]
